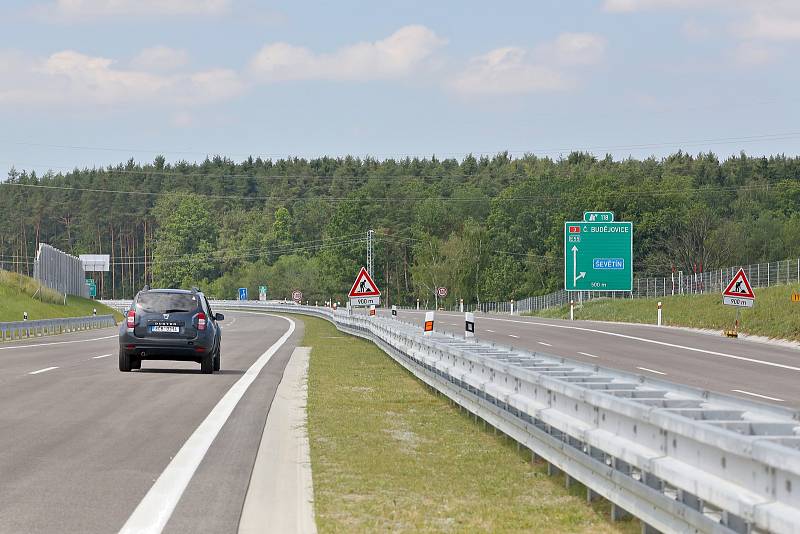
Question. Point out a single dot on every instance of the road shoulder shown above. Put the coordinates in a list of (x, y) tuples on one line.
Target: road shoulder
[(280, 495)]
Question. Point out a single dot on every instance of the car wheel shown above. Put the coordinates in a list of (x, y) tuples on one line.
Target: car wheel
[(217, 355), (207, 363), (124, 361)]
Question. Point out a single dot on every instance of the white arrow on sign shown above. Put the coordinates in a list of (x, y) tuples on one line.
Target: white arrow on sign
[(575, 276)]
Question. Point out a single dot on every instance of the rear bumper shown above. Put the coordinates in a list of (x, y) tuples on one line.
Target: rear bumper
[(164, 348)]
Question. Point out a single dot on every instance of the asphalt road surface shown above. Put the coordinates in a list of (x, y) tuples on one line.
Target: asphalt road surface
[(748, 369), (81, 444)]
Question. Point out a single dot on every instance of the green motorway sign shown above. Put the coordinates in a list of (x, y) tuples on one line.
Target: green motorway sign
[(92, 287), (598, 256)]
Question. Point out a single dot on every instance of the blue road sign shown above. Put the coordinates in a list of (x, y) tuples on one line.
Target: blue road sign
[(242, 293)]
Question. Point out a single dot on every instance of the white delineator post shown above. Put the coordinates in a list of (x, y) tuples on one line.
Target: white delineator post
[(394, 311), (469, 325), (428, 327), (659, 313), (417, 304), (372, 310), (461, 305), (571, 310), (512, 306)]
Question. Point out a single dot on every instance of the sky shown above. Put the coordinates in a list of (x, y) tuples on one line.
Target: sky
[(87, 83)]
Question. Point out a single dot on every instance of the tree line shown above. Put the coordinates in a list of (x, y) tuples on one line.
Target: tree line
[(488, 228)]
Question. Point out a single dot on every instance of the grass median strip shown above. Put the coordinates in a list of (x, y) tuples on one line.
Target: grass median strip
[(388, 454)]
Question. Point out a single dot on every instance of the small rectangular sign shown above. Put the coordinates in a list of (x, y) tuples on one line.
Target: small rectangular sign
[(598, 216), (364, 301), (608, 263), (737, 301)]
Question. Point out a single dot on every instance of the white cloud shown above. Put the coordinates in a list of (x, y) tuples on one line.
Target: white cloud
[(78, 80), (576, 49), (629, 6), (774, 20), (505, 71), (514, 70), (754, 54), (397, 56), (773, 25), (160, 59), (83, 9)]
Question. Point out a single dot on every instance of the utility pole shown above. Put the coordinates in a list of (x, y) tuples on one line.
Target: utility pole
[(369, 253)]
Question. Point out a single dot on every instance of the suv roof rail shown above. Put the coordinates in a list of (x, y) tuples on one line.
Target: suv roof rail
[(195, 290)]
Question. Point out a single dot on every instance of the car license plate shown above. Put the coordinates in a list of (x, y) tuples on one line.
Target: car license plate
[(165, 328)]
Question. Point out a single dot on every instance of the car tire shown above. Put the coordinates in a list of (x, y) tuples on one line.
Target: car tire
[(217, 356), (136, 363), (124, 361), (207, 363)]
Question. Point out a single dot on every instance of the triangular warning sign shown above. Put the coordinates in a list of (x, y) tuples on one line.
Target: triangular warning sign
[(364, 286), (739, 287)]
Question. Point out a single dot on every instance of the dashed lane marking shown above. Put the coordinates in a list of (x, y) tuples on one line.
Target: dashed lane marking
[(42, 370), (757, 395), (652, 371)]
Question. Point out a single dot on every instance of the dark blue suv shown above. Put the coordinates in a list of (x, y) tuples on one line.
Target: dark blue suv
[(170, 324)]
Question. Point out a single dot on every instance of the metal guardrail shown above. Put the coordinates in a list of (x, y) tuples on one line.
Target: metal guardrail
[(678, 458), (48, 327), (679, 283)]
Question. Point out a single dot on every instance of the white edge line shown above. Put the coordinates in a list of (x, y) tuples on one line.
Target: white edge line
[(587, 354), (155, 509), (757, 395), (101, 356), (653, 341), (512, 335), (58, 343), (652, 371), (42, 370), (545, 344)]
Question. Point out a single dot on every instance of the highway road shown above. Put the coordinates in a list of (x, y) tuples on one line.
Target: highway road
[(752, 370), (81, 444)]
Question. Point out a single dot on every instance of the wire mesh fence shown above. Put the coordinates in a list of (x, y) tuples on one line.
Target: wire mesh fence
[(60, 271), (678, 283)]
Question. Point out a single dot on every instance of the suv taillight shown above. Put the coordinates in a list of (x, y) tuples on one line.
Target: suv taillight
[(201, 321), (131, 318)]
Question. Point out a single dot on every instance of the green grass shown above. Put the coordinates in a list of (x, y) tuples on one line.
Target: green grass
[(19, 294), (388, 454), (774, 315)]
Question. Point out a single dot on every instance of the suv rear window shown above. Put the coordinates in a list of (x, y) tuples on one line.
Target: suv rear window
[(166, 302)]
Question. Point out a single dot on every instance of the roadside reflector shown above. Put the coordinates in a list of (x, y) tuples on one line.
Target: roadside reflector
[(428, 323), (469, 325), (372, 311)]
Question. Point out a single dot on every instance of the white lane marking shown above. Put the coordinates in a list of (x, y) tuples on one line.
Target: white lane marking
[(42, 370), (158, 504), (587, 354), (757, 395), (492, 331), (545, 344), (101, 356), (512, 335), (57, 343), (653, 341), (652, 371)]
